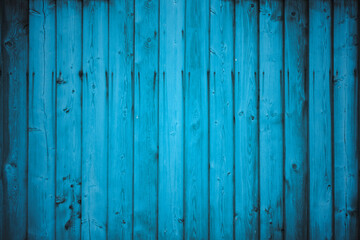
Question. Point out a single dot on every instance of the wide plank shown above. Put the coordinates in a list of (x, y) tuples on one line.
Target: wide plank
[(246, 120), (14, 54), (271, 119), (41, 128), (346, 119), (171, 119), (320, 126), (146, 119), (94, 196), (121, 116)]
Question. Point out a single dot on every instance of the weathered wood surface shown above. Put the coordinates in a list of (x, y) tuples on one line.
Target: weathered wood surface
[(246, 101), (68, 119), (13, 125), (271, 81), (41, 125), (154, 119), (171, 119), (320, 152), (221, 120), (94, 196), (346, 119), (196, 145), (121, 117), (146, 119), (296, 118)]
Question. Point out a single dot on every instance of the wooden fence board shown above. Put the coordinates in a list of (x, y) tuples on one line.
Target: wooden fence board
[(171, 119), (41, 128), (346, 109), (271, 119), (246, 120), (121, 116), (221, 119), (196, 146), (68, 118), (95, 120), (320, 153), (296, 118), (146, 119), (14, 44)]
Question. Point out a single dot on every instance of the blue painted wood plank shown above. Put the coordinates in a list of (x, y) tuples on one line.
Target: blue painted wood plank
[(246, 120), (68, 118), (14, 44), (2, 99), (41, 128), (221, 119), (271, 119), (296, 119), (320, 153), (121, 116), (196, 196), (146, 119), (171, 119), (95, 120), (346, 119)]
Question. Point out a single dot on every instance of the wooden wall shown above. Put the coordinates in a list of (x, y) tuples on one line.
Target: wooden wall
[(179, 119)]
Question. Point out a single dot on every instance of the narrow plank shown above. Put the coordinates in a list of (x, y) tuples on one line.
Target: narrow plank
[(121, 113), (2, 99), (41, 129), (146, 119), (320, 153), (171, 119), (296, 119), (246, 120), (95, 120), (221, 119), (271, 119), (14, 44), (68, 118), (196, 120), (346, 108)]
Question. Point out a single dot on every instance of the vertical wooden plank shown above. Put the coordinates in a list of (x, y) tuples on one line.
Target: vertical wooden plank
[(121, 113), (221, 122), (41, 130), (171, 119), (146, 136), (346, 158), (320, 154), (196, 120), (296, 117), (14, 44), (2, 99), (271, 119), (68, 118), (246, 120), (95, 120)]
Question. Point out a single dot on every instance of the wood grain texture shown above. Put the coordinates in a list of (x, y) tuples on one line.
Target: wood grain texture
[(296, 118), (320, 153), (221, 120), (171, 119), (146, 119), (14, 42), (41, 129), (271, 119), (121, 116), (68, 118), (346, 110), (95, 120), (246, 120), (196, 194)]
